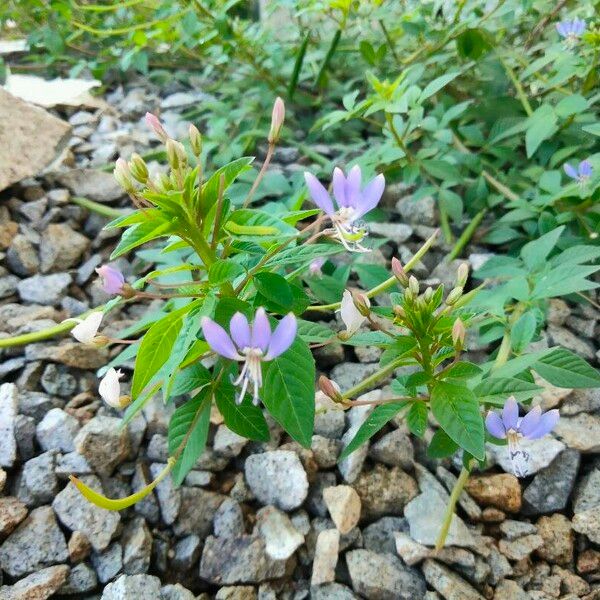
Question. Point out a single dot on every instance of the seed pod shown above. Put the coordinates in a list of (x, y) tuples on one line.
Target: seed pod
[(454, 296)]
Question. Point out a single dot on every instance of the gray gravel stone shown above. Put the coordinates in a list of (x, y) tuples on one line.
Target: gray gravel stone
[(22, 257), (587, 492), (36, 543), (8, 414), (91, 183), (447, 583), (228, 521), (57, 431), (238, 560), (58, 382), (421, 212), (37, 586), (128, 587), (394, 449), (581, 432), (44, 289), (186, 553), (38, 483), (137, 547), (75, 512), (379, 536), (176, 592), (169, 497), (282, 539), (61, 247), (263, 474), (108, 563), (551, 487), (198, 508), (332, 591), (81, 579), (383, 576)]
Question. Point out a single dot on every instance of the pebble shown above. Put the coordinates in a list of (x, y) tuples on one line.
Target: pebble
[(447, 583), (61, 247), (567, 339), (109, 562), (351, 465), (238, 560), (585, 400), (169, 498), (581, 432), (326, 557), (38, 483), (91, 183), (551, 488), (332, 591), (542, 452), (421, 212), (81, 579), (587, 493), (558, 538), (384, 491), (44, 289), (344, 506), (37, 586), (393, 449), (263, 474), (282, 539), (127, 587), (57, 431), (588, 523), (22, 257), (197, 511), (502, 491), (411, 552), (398, 232), (36, 543), (325, 451), (186, 553), (510, 590), (380, 535), (176, 592), (136, 541), (228, 521), (57, 381), (77, 514), (103, 443), (71, 354), (521, 547), (12, 512), (8, 414), (383, 576), (227, 442), (79, 546)]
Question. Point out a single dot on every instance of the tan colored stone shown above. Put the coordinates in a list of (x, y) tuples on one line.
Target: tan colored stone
[(2, 479), (37, 586), (326, 557), (12, 512), (588, 562), (558, 539), (502, 491), (30, 139), (7, 233), (79, 546), (344, 506)]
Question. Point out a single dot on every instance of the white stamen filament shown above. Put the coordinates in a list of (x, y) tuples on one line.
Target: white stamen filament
[(519, 457), (251, 372), (348, 234)]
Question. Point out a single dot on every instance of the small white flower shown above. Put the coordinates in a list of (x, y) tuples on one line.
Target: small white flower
[(110, 389), (86, 329), (350, 314)]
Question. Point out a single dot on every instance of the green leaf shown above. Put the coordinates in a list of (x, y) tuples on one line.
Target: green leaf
[(245, 419), (564, 369), (416, 419), (523, 331), (457, 411), (381, 415), (274, 288), (253, 225), (535, 253), (462, 370), (437, 84), (441, 445), (540, 126), (288, 391), (593, 129), (224, 270), (230, 173), (398, 348), (564, 280), (194, 377), (495, 390), (327, 288), (472, 43), (314, 333), (302, 255), (571, 105), (139, 234), (155, 349), (191, 419)]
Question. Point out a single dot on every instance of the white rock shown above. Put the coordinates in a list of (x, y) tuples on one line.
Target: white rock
[(326, 557), (344, 506), (542, 452), (282, 539), (8, 414)]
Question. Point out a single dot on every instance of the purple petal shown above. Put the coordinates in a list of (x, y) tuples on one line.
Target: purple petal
[(371, 195), (339, 187), (261, 330), (494, 425), (530, 421), (570, 170), (510, 414), (112, 279), (578, 26), (545, 424), (319, 194), (353, 182), (585, 168), (283, 336), (561, 28), (218, 339), (240, 330)]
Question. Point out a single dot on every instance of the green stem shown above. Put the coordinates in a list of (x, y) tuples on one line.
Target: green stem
[(373, 379), (518, 87), (320, 80), (388, 283), (101, 209), (466, 235), (389, 41)]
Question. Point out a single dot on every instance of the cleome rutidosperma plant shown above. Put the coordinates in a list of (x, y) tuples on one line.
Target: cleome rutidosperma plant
[(231, 332)]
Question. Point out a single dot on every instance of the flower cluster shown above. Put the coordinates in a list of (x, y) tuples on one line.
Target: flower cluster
[(582, 173), (252, 344), (353, 202), (571, 31), (509, 426)]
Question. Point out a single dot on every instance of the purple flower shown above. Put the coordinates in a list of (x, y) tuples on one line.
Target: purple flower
[(508, 425), (582, 173), (253, 344), (315, 267), (352, 204), (112, 279), (571, 30)]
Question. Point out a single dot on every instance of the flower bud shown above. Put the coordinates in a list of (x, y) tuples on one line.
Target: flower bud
[(399, 272), (123, 175), (100, 341), (409, 296), (277, 118), (176, 154), (427, 294), (399, 311), (138, 168), (195, 140), (362, 303), (462, 274), (413, 285), (330, 389), (454, 296), (458, 334), (156, 125), (127, 291)]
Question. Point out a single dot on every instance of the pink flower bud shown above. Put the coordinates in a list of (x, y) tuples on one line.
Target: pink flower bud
[(113, 280), (277, 118), (399, 272), (458, 333), (330, 389), (156, 125)]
